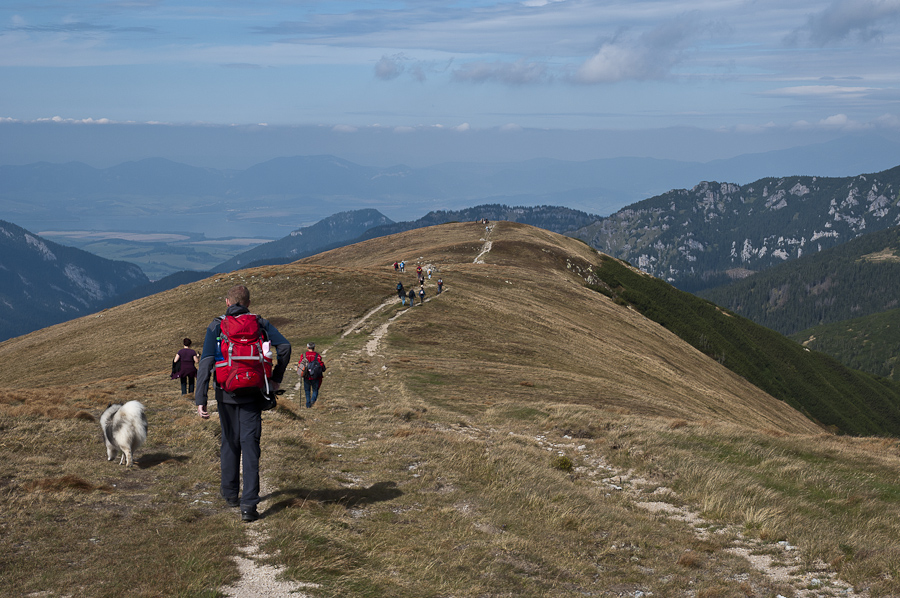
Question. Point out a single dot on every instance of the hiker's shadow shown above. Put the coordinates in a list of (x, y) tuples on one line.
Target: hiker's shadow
[(153, 459), (348, 497)]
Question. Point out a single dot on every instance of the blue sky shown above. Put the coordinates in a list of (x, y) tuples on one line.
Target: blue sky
[(777, 70)]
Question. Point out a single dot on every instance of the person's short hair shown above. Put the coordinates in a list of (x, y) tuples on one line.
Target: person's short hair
[(187, 342), (310, 345), (239, 295)]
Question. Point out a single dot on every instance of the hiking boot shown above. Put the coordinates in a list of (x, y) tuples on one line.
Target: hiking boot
[(248, 515), (231, 501)]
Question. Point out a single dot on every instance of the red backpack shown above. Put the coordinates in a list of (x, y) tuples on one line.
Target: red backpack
[(244, 360)]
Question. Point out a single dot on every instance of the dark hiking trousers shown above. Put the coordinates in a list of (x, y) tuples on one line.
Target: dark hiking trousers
[(241, 431)]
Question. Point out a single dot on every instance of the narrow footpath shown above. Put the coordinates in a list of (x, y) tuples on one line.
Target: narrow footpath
[(259, 580)]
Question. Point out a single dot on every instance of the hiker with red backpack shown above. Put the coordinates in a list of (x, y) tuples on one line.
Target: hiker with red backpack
[(311, 368), (239, 348)]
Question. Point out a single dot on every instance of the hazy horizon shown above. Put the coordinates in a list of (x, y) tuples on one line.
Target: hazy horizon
[(102, 145)]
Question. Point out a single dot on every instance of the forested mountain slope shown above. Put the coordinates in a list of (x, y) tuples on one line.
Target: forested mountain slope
[(855, 279), (870, 343)]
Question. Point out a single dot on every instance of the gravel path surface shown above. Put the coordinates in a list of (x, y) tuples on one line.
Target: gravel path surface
[(259, 580)]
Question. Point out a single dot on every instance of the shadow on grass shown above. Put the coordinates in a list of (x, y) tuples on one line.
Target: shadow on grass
[(154, 459), (348, 497)]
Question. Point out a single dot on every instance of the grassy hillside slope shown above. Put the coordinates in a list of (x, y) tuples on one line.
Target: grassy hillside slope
[(517, 435), (849, 401)]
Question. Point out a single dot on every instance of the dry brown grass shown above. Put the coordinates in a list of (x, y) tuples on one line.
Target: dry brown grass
[(430, 468)]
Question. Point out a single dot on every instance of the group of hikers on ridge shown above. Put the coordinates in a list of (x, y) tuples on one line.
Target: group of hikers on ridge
[(245, 357), (421, 273)]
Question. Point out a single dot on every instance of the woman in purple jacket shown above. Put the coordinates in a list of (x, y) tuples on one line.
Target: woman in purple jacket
[(184, 366)]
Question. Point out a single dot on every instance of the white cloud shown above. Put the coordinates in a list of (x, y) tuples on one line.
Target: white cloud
[(344, 129), (85, 121), (616, 62), (539, 3), (819, 91), (839, 122), (649, 56), (836, 120), (887, 121)]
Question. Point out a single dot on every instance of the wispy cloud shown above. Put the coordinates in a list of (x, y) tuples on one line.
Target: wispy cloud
[(391, 67), (520, 72), (864, 20), (78, 27)]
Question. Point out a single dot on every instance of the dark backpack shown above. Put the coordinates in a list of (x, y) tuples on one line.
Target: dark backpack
[(313, 369), (246, 361)]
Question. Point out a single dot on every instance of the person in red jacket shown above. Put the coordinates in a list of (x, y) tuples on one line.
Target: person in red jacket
[(311, 369)]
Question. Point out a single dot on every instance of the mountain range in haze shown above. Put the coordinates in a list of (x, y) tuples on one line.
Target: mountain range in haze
[(278, 196)]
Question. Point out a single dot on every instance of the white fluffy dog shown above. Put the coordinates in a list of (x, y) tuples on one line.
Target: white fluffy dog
[(124, 429)]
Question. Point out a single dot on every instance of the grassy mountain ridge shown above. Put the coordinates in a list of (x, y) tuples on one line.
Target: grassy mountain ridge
[(330, 293), (287, 249), (497, 440)]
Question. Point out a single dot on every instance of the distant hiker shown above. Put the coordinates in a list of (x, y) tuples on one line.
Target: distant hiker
[(240, 405), (422, 294), (401, 293), (419, 271), (429, 272), (184, 367), (440, 285), (396, 266), (402, 266), (311, 368), (412, 297)]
